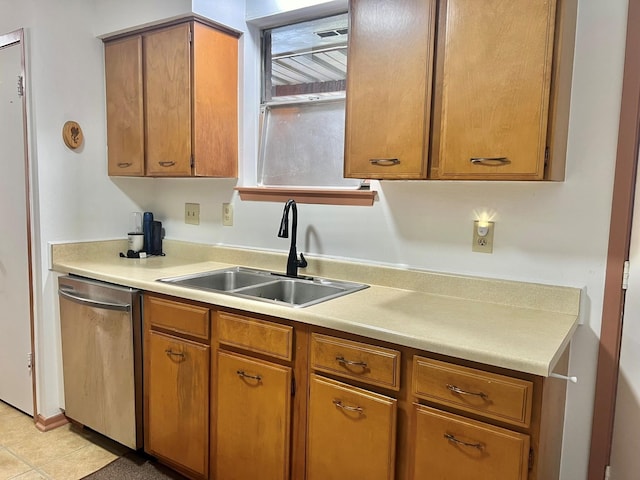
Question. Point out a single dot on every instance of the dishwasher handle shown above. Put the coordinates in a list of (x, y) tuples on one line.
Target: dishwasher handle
[(124, 307)]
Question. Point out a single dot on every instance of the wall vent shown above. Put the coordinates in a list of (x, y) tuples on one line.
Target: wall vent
[(332, 33)]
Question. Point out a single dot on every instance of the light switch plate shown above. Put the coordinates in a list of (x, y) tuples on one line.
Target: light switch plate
[(192, 213)]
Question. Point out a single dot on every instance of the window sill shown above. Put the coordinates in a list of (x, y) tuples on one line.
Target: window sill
[(362, 198)]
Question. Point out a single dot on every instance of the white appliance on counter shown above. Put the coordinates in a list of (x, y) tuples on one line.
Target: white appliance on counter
[(101, 326)]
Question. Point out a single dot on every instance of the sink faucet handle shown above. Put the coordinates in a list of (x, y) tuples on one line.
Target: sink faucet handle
[(302, 262)]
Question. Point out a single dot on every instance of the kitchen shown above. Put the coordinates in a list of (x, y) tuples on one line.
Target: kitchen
[(555, 233)]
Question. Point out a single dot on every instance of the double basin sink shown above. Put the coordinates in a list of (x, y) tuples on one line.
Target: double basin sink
[(267, 286)]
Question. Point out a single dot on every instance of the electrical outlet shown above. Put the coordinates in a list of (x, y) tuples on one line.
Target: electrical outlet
[(192, 213), (482, 237), (227, 214)]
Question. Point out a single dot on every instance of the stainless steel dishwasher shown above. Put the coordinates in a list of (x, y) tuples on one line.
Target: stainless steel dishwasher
[(101, 327)]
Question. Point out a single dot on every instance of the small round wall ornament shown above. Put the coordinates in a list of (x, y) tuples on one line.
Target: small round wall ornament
[(72, 135)]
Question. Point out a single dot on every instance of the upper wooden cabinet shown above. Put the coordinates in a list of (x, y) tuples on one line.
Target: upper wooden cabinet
[(172, 102), (492, 89), (489, 102), (389, 77), (125, 111)]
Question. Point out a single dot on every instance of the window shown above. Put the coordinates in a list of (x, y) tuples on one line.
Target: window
[(303, 105)]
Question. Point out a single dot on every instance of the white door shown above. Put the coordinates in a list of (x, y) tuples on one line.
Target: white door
[(625, 457), (15, 306)]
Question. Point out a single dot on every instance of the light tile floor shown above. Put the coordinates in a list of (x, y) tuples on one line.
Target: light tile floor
[(65, 453)]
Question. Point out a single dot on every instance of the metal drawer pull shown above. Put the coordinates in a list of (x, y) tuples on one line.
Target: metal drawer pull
[(124, 164), (241, 373), (171, 353), (339, 404), (384, 162), (490, 162), (343, 360), (453, 439), (167, 163), (455, 389)]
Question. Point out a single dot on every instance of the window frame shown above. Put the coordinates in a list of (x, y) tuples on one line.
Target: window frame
[(362, 196)]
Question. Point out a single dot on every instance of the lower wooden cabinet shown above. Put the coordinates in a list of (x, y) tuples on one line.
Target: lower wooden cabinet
[(253, 419), (178, 402), (235, 396), (451, 446), (351, 432)]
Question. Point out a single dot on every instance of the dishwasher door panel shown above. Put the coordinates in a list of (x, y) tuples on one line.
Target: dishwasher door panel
[(100, 367)]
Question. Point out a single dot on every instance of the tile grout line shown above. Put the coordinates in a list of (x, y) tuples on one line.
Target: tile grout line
[(7, 413), (32, 468)]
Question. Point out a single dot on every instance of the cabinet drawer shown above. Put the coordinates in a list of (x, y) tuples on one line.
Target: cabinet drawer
[(255, 335), (351, 432), (360, 361), (494, 396), (450, 446), (178, 317)]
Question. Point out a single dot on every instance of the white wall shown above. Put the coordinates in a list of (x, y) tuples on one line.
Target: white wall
[(549, 233), (73, 197)]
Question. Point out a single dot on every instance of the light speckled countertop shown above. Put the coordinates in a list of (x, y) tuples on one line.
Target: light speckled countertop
[(515, 325)]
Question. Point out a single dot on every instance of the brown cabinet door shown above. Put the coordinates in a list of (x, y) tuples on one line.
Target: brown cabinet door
[(125, 112), (492, 89), (178, 402), (167, 93), (389, 78), (253, 419), (351, 432), (451, 446)]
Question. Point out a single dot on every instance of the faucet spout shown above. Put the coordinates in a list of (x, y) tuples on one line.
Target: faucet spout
[(292, 261)]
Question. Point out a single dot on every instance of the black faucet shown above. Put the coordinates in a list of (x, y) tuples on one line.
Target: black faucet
[(292, 261)]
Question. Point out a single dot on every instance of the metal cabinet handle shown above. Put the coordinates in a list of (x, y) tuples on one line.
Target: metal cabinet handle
[(453, 439), (339, 404), (384, 162), (124, 164), (167, 163), (243, 374), (491, 161), (455, 389), (171, 353), (341, 359)]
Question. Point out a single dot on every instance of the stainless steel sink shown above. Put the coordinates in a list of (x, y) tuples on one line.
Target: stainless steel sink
[(295, 292), (267, 286), (221, 280)]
